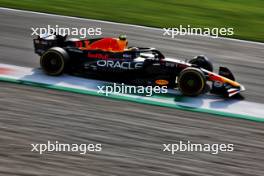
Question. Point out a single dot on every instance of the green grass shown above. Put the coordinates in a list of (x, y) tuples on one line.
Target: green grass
[(246, 17)]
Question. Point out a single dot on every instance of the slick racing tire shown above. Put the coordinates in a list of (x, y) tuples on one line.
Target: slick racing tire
[(202, 62), (54, 61), (191, 81)]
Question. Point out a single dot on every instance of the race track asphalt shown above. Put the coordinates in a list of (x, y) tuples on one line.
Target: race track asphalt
[(131, 134)]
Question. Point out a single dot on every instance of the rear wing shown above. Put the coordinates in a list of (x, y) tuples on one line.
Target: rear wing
[(42, 44)]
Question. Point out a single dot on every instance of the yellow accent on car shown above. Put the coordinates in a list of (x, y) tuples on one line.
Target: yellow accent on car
[(162, 82), (231, 82)]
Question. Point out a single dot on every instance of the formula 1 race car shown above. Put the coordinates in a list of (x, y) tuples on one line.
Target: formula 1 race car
[(111, 59)]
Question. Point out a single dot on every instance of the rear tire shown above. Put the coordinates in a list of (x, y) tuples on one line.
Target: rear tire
[(54, 61), (191, 81)]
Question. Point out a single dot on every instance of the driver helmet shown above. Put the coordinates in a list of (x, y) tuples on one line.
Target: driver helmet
[(122, 41)]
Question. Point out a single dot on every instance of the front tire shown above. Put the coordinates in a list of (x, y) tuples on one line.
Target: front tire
[(191, 81), (54, 61)]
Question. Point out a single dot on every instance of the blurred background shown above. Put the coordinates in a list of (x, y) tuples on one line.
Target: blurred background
[(246, 17)]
